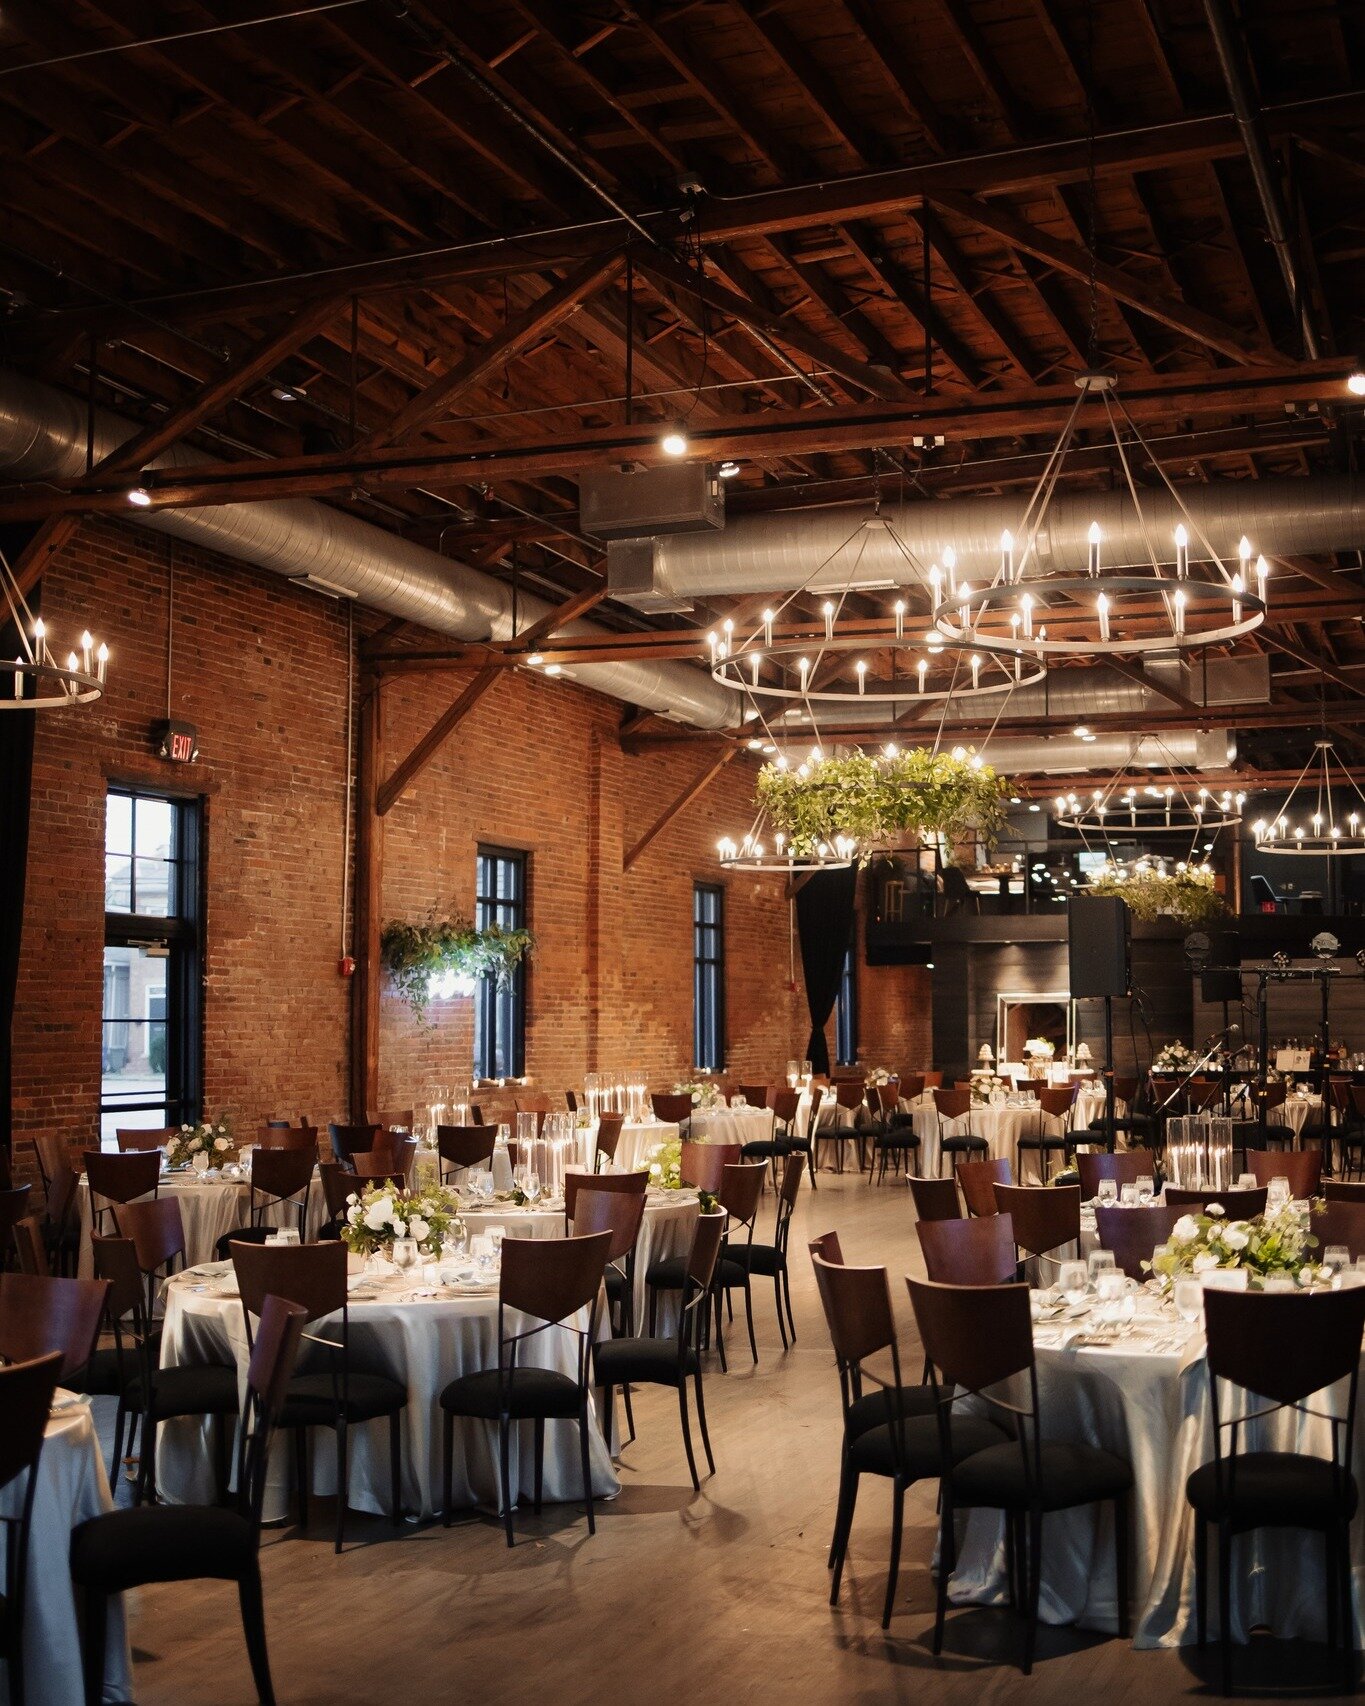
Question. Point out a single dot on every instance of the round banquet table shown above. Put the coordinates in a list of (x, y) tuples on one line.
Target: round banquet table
[(1295, 1112), (638, 1143), (731, 1125), (208, 1209), (1001, 1127), (72, 1487), (418, 1334), (1146, 1398)]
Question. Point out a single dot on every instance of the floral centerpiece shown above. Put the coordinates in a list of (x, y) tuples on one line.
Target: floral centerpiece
[(878, 1075), (665, 1168), (705, 1093), (1269, 1246), (1175, 1057), (985, 1084), (200, 1146), (1038, 1051), (379, 1214)]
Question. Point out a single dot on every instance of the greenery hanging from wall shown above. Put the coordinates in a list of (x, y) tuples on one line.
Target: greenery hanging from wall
[(1185, 893), (888, 798), (439, 957)]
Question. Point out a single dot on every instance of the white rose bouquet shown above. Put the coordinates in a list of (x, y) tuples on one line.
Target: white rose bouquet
[(201, 1146), (878, 1075), (379, 1214), (665, 1167), (984, 1085), (1269, 1246), (704, 1094), (1175, 1057)]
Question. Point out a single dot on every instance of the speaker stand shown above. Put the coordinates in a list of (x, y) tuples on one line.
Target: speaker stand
[(1109, 1132)]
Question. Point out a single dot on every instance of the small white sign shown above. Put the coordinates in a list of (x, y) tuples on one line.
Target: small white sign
[(1293, 1060)]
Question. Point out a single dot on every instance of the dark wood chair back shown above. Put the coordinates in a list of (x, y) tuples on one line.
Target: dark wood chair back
[(828, 1248), (465, 1145), (701, 1258), (378, 1167), (40, 1315), (857, 1305), (1045, 1216), (1237, 1205), (1124, 1167), (1056, 1100), (156, 1230), (130, 1142), (338, 1183), (741, 1185), (911, 1085), (397, 1119), (348, 1140), (1344, 1190), (14, 1207), (26, 1391), (703, 1164), (122, 1178), (1133, 1233), (977, 1181), (850, 1092), (756, 1095), (952, 1104), (608, 1137), (1285, 1346), (624, 1184), (675, 1110), (30, 1247), (1340, 1223), (313, 1276), (300, 1139), (618, 1213), (974, 1336), (935, 1199), (1302, 1167), (552, 1278), (969, 1252), (279, 1175)]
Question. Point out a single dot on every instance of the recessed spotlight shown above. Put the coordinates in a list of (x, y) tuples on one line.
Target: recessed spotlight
[(536, 659), (755, 746), (1015, 800), (673, 442), (1035, 807), (554, 669), (1355, 384), (728, 470), (140, 496), (288, 393)]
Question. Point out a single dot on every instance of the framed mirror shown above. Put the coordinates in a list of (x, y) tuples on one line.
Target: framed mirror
[(1021, 1014)]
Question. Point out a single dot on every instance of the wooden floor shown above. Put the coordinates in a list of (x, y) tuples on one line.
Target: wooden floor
[(720, 1597)]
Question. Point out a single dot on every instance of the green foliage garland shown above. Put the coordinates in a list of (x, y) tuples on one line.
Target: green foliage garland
[(414, 955), (916, 793), (1186, 894)]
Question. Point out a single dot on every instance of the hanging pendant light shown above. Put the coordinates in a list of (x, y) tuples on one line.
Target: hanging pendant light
[(36, 681)]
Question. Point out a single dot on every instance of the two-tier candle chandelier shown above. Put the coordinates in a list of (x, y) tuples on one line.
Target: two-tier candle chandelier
[(794, 659), (37, 681), (1184, 597), (1326, 822)]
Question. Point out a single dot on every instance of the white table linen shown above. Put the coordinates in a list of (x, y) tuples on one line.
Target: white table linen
[(422, 1342), (72, 1487), (1149, 1403), (638, 1143), (1001, 1127), (208, 1209), (732, 1125)]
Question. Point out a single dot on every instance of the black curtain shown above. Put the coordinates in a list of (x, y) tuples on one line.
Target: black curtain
[(16, 780), (824, 921)]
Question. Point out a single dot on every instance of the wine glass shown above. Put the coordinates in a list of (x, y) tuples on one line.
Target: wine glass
[(1098, 1262), (530, 1186), (1107, 1192), (1189, 1300), (1146, 1190), (404, 1254), (1336, 1257), (1246, 1182), (1073, 1281), (1128, 1196)]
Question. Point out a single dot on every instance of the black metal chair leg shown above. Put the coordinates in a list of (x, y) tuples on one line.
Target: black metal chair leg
[(687, 1433), (540, 1460), (945, 1571), (787, 1294), (1121, 1562), (897, 1528), (749, 1312), (630, 1418), (505, 1472), (253, 1626), (1034, 1555), (701, 1420), (96, 1636), (777, 1303), (843, 1528), (1225, 1607), (301, 1473)]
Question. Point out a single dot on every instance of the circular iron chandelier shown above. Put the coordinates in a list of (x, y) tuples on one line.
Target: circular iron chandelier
[(1330, 829), (1178, 602), (1149, 810), (37, 682)]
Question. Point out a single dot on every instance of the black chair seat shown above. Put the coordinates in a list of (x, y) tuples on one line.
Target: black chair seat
[(1043, 1141), (896, 1137), (873, 1452), (1070, 1475), (765, 1148), (964, 1140), (242, 1235), (205, 1390), (100, 1376), (658, 1362), (757, 1258), (669, 1273), (311, 1399), (529, 1392), (1273, 1489), (161, 1543), (869, 1411)]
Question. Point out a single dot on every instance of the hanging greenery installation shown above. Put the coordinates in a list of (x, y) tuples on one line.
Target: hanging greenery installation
[(439, 957)]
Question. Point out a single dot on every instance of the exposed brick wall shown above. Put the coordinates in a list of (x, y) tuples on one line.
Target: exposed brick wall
[(260, 667)]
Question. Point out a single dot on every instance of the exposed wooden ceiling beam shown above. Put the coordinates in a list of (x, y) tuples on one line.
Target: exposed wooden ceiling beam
[(698, 785), (404, 774)]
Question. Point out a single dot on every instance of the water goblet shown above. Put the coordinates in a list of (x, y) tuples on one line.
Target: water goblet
[(404, 1254), (1073, 1281), (1099, 1262), (1146, 1190), (1277, 1194), (1189, 1300), (1128, 1196), (531, 1186), (1336, 1257), (1246, 1182), (1107, 1192)]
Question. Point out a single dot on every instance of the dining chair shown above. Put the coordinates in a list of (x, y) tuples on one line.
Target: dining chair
[(126, 1549), (1046, 1217), (119, 1179), (1339, 1223), (40, 1315), (26, 1392), (130, 1142), (673, 1110), (338, 1395), (755, 1095), (1342, 1190), (977, 1181), (767, 1149), (950, 1106), (608, 1139), (1302, 1168), (302, 1139), (1123, 1166), (1131, 1234), (14, 1207), (935, 1199), (1055, 1103), (889, 1429), (1237, 1205), (976, 1338), (702, 1165), (619, 1213), (630, 1361), (61, 1183), (281, 1179), (969, 1252), (770, 1260), (30, 1246), (461, 1147), (146, 1390), (397, 1119), (346, 1140), (1289, 1350), (786, 1105), (157, 1230), (629, 1184), (547, 1285), (894, 1138)]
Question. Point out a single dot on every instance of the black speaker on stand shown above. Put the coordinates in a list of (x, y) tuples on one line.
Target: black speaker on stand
[(1099, 951)]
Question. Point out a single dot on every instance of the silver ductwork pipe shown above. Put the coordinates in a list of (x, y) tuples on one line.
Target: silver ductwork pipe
[(43, 437), (832, 548)]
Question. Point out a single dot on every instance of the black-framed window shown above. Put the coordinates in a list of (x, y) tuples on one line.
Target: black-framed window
[(846, 1013), (500, 1009), (708, 976), (151, 1051)]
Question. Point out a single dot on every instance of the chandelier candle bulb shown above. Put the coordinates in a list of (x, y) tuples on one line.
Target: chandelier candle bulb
[(900, 618), (976, 670), (827, 610), (950, 563), (756, 660), (1093, 550), (964, 613), (861, 667), (1238, 588), (713, 640), (922, 666), (1007, 555), (87, 643), (1179, 602), (1026, 606), (1182, 552), (935, 584), (805, 673), (102, 662), (1262, 570), (767, 627), (18, 678), (1102, 604)]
